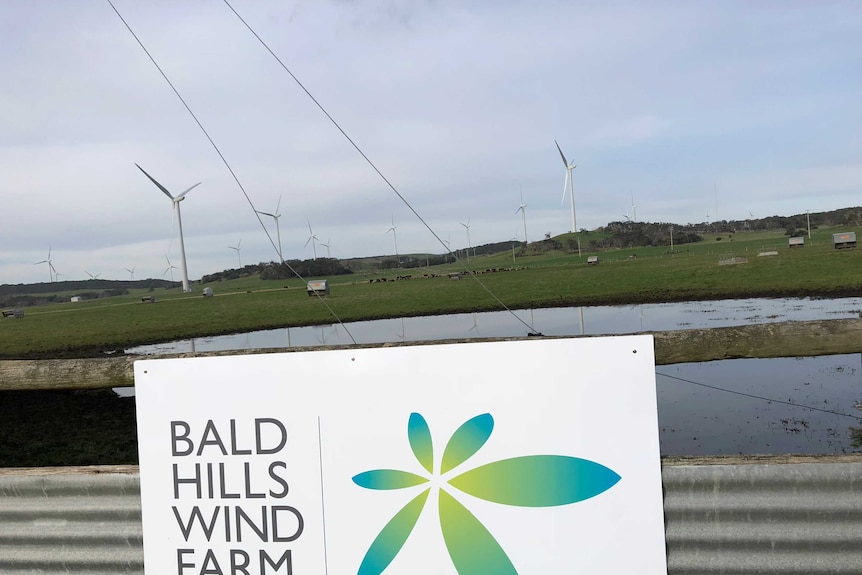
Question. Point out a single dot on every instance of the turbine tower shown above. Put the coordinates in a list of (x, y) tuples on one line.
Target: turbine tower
[(236, 247), (131, 273), (394, 239), (571, 183), (51, 271), (467, 227), (275, 216), (176, 203), (523, 209), (634, 210), (313, 239)]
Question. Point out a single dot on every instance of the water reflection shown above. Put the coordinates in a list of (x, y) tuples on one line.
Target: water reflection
[(696, 420)]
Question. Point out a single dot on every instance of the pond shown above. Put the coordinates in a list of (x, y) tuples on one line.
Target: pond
[(596, 320), (746, 406)]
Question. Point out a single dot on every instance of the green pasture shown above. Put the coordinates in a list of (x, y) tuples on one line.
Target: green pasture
[(637, 275)]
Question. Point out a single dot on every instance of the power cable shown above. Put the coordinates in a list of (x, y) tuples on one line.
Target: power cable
[(227, 165), (829, 411), (374, 167)]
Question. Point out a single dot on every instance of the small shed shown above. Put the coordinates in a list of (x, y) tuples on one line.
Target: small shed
[(17, 313), (75, 299), (207, 292), (796, 242), (593, 260), (844, 240), (317, 287), (456, 275), (148, 299)]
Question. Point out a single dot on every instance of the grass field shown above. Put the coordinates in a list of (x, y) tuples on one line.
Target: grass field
[(648, 274)]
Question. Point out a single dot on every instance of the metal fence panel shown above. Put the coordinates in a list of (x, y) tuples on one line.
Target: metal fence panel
[(720, 519)]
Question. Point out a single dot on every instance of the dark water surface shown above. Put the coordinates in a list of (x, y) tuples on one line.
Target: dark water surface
[(693, 419)]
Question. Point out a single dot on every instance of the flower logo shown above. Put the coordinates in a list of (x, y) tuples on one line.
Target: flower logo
[(527, 481)]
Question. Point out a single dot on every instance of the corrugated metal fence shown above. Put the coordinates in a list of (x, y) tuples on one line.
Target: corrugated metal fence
[(736, 518)]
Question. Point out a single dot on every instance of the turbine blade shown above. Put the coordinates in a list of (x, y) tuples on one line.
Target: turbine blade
[(306, 242), (265, 214), (565, 163), (158, 185), (278, 204), (188, 190)]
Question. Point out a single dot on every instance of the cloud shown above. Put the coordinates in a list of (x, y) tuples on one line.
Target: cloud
[(628, 132), (458, 103)]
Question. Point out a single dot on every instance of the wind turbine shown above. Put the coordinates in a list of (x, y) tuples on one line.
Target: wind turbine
[(176, 203), (131, 273), (92, 277), (467, 227), (395, 239), (448, 242), (523, 209), (51, 271), (313, 239), (634, 210), (571, 183), (238, 258), (171, 267), (275, 216), (326, 245)]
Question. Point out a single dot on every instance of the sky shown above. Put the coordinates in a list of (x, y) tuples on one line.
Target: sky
[(692, 111)]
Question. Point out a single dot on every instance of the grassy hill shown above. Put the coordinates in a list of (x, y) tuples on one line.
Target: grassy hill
[(553, 278)]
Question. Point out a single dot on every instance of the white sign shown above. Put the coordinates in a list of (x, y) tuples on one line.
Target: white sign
[(529, 457)]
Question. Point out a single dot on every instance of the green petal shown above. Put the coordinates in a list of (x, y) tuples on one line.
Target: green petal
[(387, 479), (537, 480), (472, 548), (466, 441), (420, 441), (388, 543)]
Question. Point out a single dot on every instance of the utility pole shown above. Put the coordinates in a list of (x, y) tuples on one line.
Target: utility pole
[(808, 217), (671, 239)]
